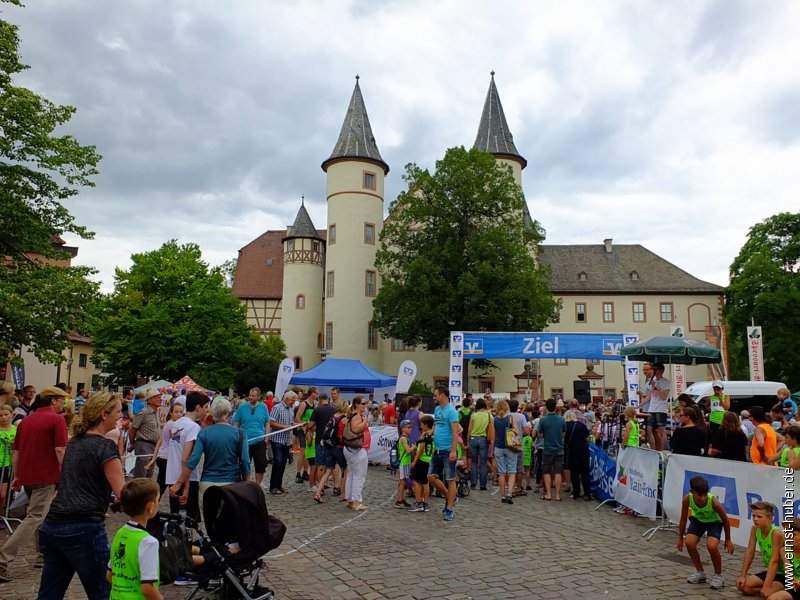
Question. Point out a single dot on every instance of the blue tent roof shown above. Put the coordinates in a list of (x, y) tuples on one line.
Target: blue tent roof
[(343, 372)]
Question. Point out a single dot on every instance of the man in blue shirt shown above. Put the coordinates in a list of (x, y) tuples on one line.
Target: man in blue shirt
[(445, 441), (253, 417), (551, 429)]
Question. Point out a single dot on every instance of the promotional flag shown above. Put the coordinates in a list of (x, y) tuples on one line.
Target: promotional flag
[(285, 372), (631, 372), (678, 371), (755, 353), (405, 376)]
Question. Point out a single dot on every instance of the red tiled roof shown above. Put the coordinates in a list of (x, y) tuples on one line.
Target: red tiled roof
[(259, 269)]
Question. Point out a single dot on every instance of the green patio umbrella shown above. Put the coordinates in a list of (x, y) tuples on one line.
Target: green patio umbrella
[(674, 350)]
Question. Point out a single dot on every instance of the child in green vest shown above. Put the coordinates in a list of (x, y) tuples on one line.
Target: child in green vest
[(769, 539), (8, 432), (789, 457), (630, 436), (527, 460), (420, 465), (708, 517), (405, 452), (133, 566)]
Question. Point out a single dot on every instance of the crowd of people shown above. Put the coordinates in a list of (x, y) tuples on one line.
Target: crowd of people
[(189, 443)]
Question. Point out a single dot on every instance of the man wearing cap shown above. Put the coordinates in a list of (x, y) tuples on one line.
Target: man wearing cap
[(145, 432), (658, 389), (718, 404), (38, 451)]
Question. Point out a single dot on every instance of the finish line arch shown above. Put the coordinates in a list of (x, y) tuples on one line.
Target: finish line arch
[(536, 345)]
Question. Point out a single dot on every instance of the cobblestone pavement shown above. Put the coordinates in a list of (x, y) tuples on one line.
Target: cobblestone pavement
[(531, 549)]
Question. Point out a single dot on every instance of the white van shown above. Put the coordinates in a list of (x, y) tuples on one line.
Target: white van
[(743, 394)]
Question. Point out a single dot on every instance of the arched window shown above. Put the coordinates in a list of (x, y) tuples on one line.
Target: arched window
[(582, 276), (300, 302), (298, 363), (634, 276)]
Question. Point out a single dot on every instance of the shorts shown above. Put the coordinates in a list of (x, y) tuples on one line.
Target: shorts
[(404, 471), (698, 528), (506, 461), (441, 466), (334, 457), (520, 462), (300, 434), (657, 420), (419, 472), (5, 476), (779, 577), (311, 460), (258, 452), (552, 462), (321, 455)]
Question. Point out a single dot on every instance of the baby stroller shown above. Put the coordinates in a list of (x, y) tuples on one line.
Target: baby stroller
[(235, 514), (462, 480)]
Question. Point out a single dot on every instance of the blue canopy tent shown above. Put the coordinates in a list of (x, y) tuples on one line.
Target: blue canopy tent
[(343, 373)]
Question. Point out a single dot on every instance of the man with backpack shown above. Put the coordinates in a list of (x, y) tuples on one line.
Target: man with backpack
[(330, 445), (320, 416)]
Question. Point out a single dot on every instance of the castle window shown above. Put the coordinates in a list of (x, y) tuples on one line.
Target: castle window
[(329, 286), (300, 302), (369, 283), (369, 180), (639, 312), (332, 234), (369, 233), (401, 346), (580, 312), (372, 336), (83, 360), (561, 362), (608, 312), (329, 335), (315, 246), (634, 276), (290, 245), (667, 312), (319, 340), (582, 276), (298, 363), (269, 262)]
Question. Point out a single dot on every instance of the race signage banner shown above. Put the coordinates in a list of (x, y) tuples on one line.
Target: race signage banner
[(405, 376), (595, 346), (678, 371), (18, 376), (631, 372), (735, 484), (755, 353), (285, 372), (636, 480), (602, 469), (456, 366), (382, 438)]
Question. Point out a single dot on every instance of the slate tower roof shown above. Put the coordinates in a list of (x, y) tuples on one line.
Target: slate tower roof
[(355, 138), (493, 133), (303, 226)]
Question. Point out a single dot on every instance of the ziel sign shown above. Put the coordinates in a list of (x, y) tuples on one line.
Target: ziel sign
[(600, 346)]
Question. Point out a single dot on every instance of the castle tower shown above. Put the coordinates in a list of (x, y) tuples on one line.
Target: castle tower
[(302, 313), (355, 173)]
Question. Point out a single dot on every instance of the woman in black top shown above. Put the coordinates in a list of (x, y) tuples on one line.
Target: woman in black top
[(730, 442), (73, 536), (576, 445), (689, 438)]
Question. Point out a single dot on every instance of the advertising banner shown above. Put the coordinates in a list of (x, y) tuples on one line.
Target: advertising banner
[(636, 480), (285, 372), (456, 366), (735, 484), (18, 376), (602, 469), (678, 371), (755, 353), (383, 438), (631, 372), (595, 346), (405, 376)]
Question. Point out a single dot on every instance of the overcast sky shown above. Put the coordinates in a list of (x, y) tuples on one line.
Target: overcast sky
[(675, 125)]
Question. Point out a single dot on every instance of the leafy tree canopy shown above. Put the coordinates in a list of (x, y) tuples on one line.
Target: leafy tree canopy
[(170, 315), (458, 254), (765, 289), (40, 301), (259, 367)]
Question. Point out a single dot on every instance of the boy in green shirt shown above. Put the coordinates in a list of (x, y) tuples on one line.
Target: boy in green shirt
[(769, 540), (133, 566)]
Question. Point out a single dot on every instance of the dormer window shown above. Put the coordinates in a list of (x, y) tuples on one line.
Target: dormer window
[(582, 276), (634, 276)]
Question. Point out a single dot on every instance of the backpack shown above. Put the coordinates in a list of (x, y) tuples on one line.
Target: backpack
[(394, 455), (329, 439)]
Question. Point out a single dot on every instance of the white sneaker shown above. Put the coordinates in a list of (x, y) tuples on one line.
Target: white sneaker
[(312, 488), (717, 583), (697, 577)]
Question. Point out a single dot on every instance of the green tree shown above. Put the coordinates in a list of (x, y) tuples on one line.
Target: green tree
[(41, 301), (458, 255), (259, 367), (170, 315), (765, 289)]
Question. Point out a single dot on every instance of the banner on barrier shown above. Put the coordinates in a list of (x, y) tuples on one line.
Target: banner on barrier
[(383, 438), (636, 480), (735, 484), (631, 372), (602, 469)]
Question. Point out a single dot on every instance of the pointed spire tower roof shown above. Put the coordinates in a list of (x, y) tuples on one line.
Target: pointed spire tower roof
[(493, 133), (355, 138), (303, 226)]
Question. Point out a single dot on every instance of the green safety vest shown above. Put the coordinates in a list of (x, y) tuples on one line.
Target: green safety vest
[(126, 577), (715, 402), (311, 449), (633, 436), (427, 449), (706, 514), (785, 455), (405, 457), (765, 545), (527, 450)]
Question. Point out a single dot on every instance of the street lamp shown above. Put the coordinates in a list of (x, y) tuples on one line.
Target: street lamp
[(528, 368)]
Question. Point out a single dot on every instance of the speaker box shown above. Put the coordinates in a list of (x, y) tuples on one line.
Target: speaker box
[(582, 391)]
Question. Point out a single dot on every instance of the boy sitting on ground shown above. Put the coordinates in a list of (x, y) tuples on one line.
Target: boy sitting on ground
[(769, 539)]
